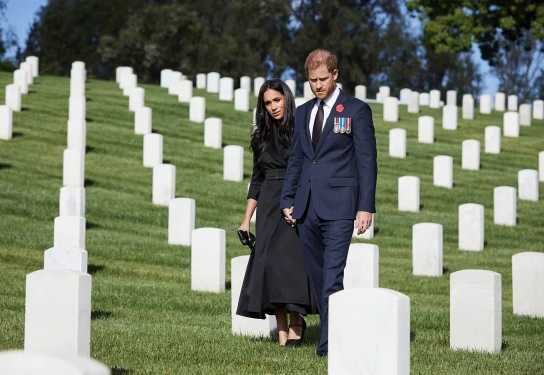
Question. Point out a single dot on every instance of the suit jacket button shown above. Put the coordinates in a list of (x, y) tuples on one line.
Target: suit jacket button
[(314, 161)]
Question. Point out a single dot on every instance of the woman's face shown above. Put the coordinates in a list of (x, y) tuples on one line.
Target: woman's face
[(274, 102)]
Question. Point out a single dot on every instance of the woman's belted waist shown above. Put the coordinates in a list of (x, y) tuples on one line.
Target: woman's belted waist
[(274, 174)]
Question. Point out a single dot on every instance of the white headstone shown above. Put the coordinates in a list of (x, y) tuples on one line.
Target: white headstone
[(500, 100), (208, 260), (383, 93), (468, 107), (485, 104), (226, 89), (397, 143), (471, 227), (73, 170), (528, 185), (449, 117), (245, 83), (443, 171), (136, 99), (408, 193), (513, 103), (505, 205), (257, 83), (413, 102), (181, 221), (451, 97), (174, 79), (185, 91), (427, 249), (242, 325), (476, 311), (541, 166), (525, 115), (470, 155), (527, 282), (510, 124), (130, 82), (197, 109), (121, 72), (405, 94), (369, 332), (201, 81), (58, 313), (19, 362), (434, 99), (424, 99), (360, 92), (425, 129), (291, 83), (165, 77), (492, 140), (164, 184), (362, 266), (6, 123), (69, 232), (143, 120), (241, 100), (152, 150), (390, 109), (13, 97), (233, 163), (213, 132), (72, 201), (212, 82), (538, 109), (20, 79), (35, 64)]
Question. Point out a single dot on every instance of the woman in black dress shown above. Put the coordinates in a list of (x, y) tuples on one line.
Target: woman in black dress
[(275, 282)]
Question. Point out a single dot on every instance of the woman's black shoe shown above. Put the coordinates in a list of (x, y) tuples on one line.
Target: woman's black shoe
[(299, 341)]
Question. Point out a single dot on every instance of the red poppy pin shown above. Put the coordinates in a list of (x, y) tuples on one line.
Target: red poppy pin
[(340, 108)]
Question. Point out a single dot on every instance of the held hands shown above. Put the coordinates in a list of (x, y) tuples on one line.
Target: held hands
[(288, 216), (244, 226), (363, 221)]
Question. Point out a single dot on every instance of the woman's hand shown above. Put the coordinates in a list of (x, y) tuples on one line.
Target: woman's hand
[(244, 226)]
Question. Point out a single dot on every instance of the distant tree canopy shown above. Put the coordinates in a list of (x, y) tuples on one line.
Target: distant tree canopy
[(373, 39), (509, 35)]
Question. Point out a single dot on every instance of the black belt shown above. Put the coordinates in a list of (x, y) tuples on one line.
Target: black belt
[(274, 174)]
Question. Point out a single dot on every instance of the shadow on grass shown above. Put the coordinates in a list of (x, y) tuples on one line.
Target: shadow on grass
[(89, 149), (445, 270), (91, 225), (94, 268), (120, 371), (412, 336), (17, 134), (100, 315), (89, 182), (227, 285), (24, 109), (89, 119), (5, 166)]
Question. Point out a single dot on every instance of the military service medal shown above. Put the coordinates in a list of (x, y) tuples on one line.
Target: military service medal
[(342, 125), (336, 129)]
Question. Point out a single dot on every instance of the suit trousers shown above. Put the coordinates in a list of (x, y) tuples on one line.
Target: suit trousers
[(325, 245)]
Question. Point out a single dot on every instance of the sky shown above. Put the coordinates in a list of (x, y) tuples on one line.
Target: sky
[(20, 14)]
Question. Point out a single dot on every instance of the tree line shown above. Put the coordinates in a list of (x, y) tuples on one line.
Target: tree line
[(418, 44)]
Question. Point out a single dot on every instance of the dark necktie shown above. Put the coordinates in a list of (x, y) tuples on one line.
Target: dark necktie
[(318, 125)]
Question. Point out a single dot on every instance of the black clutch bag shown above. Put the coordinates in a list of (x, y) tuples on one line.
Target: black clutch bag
[(246, 239)]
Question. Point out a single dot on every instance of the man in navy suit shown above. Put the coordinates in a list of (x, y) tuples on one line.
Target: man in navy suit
[(330, 179)]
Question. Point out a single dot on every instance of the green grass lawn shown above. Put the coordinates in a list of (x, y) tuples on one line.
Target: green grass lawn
[(146, 320)]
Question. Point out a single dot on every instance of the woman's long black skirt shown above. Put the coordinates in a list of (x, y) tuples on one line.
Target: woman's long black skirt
[(275, 273)]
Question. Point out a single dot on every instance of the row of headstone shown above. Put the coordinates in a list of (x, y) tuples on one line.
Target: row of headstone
[(181, 211), (23, 78), (58, 297)]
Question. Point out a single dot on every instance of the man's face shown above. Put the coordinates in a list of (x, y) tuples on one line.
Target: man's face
[(322, 81)]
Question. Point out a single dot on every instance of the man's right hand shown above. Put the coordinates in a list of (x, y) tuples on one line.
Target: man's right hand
[(288, 215)]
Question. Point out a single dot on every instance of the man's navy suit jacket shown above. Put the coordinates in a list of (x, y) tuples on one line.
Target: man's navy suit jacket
[(341, 173)]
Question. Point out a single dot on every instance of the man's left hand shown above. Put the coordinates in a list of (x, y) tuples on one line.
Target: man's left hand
[(363, 221)]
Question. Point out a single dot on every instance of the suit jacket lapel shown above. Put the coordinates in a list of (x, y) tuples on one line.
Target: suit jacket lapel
[(307, 127), (327, 129)]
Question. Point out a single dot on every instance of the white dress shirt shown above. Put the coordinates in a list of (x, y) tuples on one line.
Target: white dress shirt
[(327, 107)]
